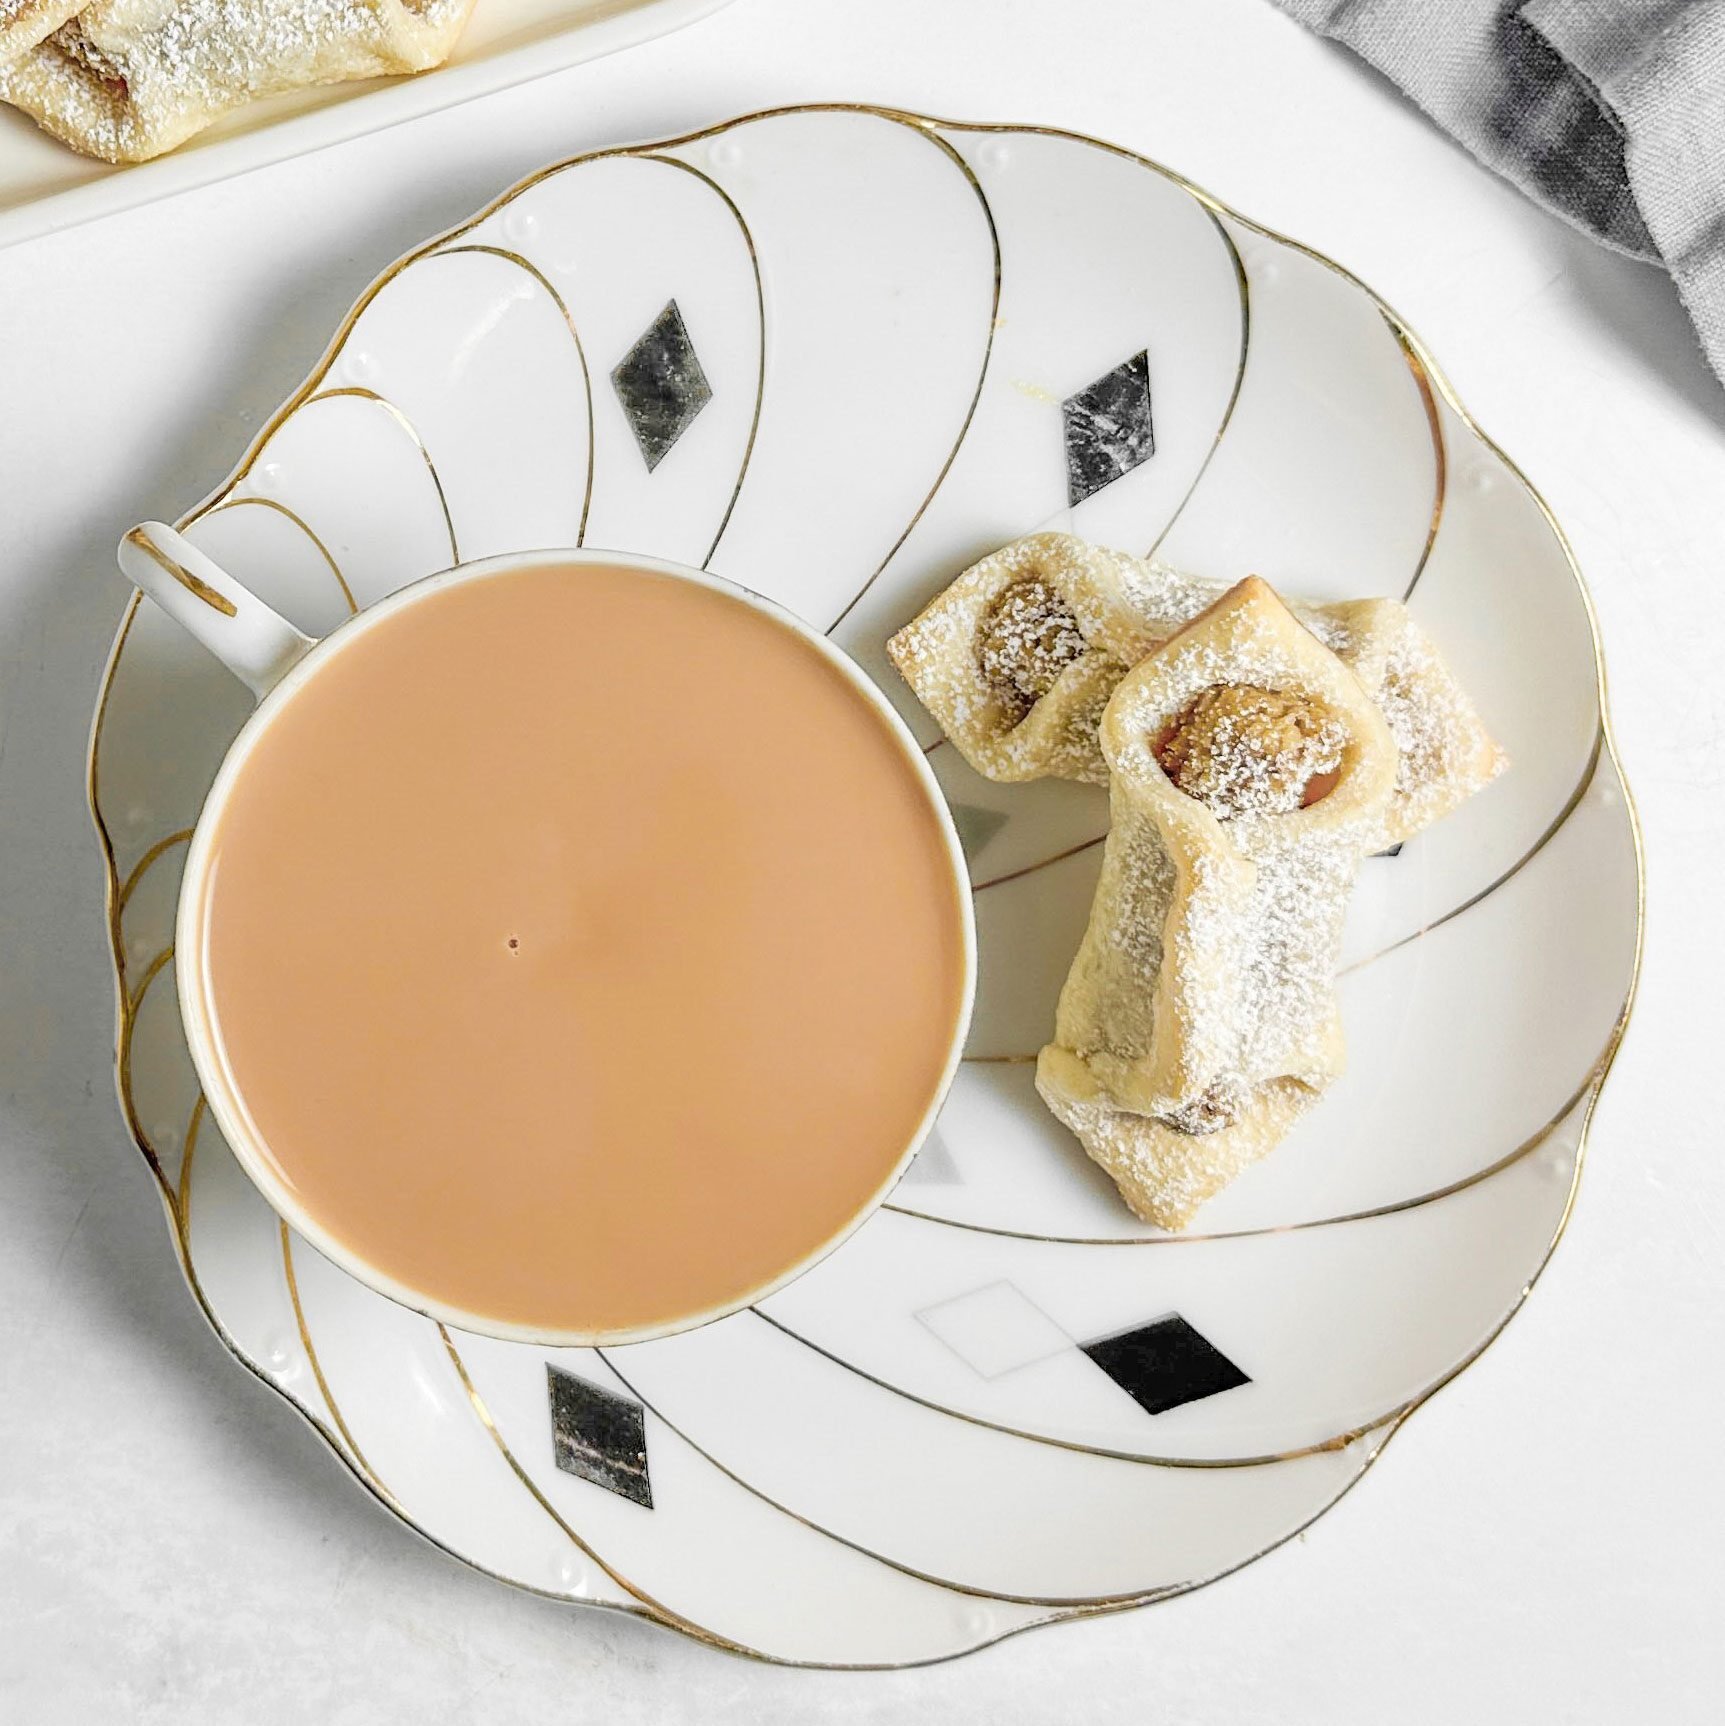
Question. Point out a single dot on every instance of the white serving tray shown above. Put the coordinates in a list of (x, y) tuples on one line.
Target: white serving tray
[(45, 187)]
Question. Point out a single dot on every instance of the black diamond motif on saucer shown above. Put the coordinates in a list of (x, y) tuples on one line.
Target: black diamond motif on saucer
[(1165, 1364), (599, 1436), (1108, 428), (661, 385)]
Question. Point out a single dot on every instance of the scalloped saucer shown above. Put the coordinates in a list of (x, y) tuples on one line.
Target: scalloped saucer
[(1003, 1403)]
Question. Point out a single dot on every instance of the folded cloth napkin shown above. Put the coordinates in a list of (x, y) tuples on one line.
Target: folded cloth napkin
[(1611, 112)]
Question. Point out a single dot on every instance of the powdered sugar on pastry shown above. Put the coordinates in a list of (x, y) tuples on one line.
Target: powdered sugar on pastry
[(1123, 606), (1446, 752), (1254, 752), (24, 23), (1241, 750), (1165, 1174), (128, 79), (1018, 657), (1200, 1016)]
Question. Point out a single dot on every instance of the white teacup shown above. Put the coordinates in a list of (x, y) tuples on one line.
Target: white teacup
[(276, 661)]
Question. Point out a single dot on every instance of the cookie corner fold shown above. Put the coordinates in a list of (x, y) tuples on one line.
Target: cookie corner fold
[(126, 82), (1018, 656), (1199, 1018)]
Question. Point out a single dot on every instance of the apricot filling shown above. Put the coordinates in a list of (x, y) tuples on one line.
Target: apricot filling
[(1217, 1108), (1243, 750), (1028, 636)]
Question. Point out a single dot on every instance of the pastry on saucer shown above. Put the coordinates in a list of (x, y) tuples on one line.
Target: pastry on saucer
[(1250, 770), (1254, 751), (1017, 657)]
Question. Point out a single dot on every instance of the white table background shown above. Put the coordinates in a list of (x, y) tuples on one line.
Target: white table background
[(1543, 1541)]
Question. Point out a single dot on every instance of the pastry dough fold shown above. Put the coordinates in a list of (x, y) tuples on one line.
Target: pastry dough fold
[(1124, 606), (125, 80), (1199, 1017)]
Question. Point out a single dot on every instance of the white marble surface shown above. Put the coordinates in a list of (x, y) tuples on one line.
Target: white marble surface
[(1541, 1543)]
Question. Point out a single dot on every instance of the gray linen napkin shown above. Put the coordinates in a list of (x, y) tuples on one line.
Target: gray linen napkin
[(1611, 112)]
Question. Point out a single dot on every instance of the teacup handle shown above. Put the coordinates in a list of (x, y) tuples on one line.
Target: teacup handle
[(255, 643)]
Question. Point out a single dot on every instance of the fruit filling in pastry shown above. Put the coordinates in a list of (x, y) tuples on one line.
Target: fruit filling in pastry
[(1254, 752), (1027, 637), (1249, 773), (1019, 655), (1213, 1109), (1017, 658), (125, 80), (1243, 750)]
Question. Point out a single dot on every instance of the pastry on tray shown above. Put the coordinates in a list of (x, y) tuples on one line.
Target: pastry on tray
[(1255, 752), (128, 79), (23, 23), (1073, 618)]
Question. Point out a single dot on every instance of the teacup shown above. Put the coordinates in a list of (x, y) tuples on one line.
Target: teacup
[(573, 947)]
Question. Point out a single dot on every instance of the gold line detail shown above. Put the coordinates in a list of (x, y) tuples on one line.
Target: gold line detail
[(1126, 1603), (664, 1614), (1298, 1532), (1525, 1149), (151, 972), (1244, 285), (976, 396), (869, 1552), (183, 1193), (1439, 382), (193, 584), (310, 1348), (407, 425), (761, 349), (1440, 456), (1044, 863), (305, 527), (1588, 774), (129, 1005), (104, 839), (368, 1482), (141, 867), (544, 281), (1339, 1443)]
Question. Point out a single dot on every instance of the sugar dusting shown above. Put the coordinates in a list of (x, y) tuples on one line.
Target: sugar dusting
[(128, 79), (1278, 944), (1165, 1174), (24, 23), (1026, 638), (1123, 606), (1200, 1017), (1017, 658), (1243, 750), (1271, 1040), (1446, 753)]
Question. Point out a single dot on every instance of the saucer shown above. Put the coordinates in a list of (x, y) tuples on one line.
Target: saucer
[(836, 354)]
